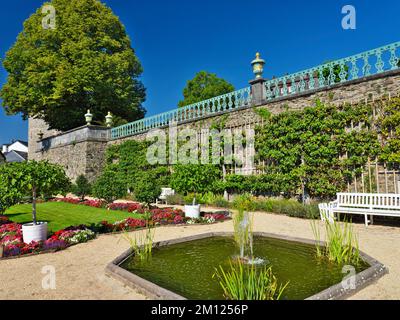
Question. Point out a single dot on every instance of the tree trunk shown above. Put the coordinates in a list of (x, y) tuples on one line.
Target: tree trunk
[(34, 206)]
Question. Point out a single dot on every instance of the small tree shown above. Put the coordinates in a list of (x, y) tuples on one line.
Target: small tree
[(109, 186), (9, 194), (35, 178), (195, 178), (82, 187), (146, 189)]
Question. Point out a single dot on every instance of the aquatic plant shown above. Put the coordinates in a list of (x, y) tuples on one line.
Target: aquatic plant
[(248, 282), (317, 236), (341, 243), (141, 243)]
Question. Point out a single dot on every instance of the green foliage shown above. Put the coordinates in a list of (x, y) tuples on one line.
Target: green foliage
[(195, 178), (176, 199), (8, 196), (389, 124), (110, 186), (128, 162), (307, 148), (341, 243), (147, 188), (86, 62), (141, 243), (289, 207), (336, 72), (82, 187), (32, 177), (247, 282), (244, 202), (212, 199), (204, 86)]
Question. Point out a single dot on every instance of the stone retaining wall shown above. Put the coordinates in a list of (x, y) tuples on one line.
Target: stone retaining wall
[(85, 154)]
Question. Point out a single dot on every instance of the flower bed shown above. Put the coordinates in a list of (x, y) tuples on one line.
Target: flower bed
[(128, 224), (89, 203), (128, 207), (13, 245), (167, 216)]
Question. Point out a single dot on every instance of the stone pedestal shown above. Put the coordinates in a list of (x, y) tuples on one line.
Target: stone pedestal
[(258, 92)]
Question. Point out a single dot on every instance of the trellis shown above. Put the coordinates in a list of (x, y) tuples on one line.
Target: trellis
[(376, 177)]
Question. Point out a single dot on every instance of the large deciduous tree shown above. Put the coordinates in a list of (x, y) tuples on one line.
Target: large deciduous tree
[(204, 86), (85, 62)]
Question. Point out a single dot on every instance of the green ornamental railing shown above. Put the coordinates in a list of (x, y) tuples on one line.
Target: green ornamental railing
[(226, 102), (340, 71)]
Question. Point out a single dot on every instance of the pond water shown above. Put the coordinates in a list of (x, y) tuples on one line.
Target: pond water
[(187, 268)]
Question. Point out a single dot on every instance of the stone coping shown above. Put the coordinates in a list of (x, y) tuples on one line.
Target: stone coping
[(155, 292)]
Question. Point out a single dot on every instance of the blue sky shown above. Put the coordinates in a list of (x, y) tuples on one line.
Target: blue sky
[(174, 39)]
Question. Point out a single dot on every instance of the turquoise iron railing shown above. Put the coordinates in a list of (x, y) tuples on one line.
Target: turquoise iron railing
[(226, 102), (357, 66), (354, 67)]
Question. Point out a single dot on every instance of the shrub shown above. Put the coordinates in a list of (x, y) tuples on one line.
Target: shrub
[(213, 199), (289, 207), (220, 202), (147, 189), (244, 202), (176, 199), (109, 186), (82, 187)]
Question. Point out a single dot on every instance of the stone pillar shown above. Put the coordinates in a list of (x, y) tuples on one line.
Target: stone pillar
[(258, 92)]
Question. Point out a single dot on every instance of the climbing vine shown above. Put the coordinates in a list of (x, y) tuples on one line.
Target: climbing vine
[(320, 149)]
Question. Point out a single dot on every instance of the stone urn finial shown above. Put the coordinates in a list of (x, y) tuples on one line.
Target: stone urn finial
[(109, 119), (258, 66), (88, 118)]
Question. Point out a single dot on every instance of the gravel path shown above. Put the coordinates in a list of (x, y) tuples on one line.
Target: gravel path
[(80, 269)]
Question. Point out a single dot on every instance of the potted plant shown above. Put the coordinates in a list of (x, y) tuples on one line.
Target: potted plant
[(39, 178)]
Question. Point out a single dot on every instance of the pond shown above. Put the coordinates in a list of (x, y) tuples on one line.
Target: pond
[(187, 268)]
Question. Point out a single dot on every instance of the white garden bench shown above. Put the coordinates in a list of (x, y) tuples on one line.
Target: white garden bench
[(165, 192), (367, 204)]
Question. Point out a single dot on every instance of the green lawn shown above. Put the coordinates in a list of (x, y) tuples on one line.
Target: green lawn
[(60, 215)]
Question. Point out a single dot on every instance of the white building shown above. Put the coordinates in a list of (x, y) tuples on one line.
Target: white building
[(17, 151)]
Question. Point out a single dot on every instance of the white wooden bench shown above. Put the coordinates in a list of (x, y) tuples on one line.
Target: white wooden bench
[(367, 204), (165, 192)]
